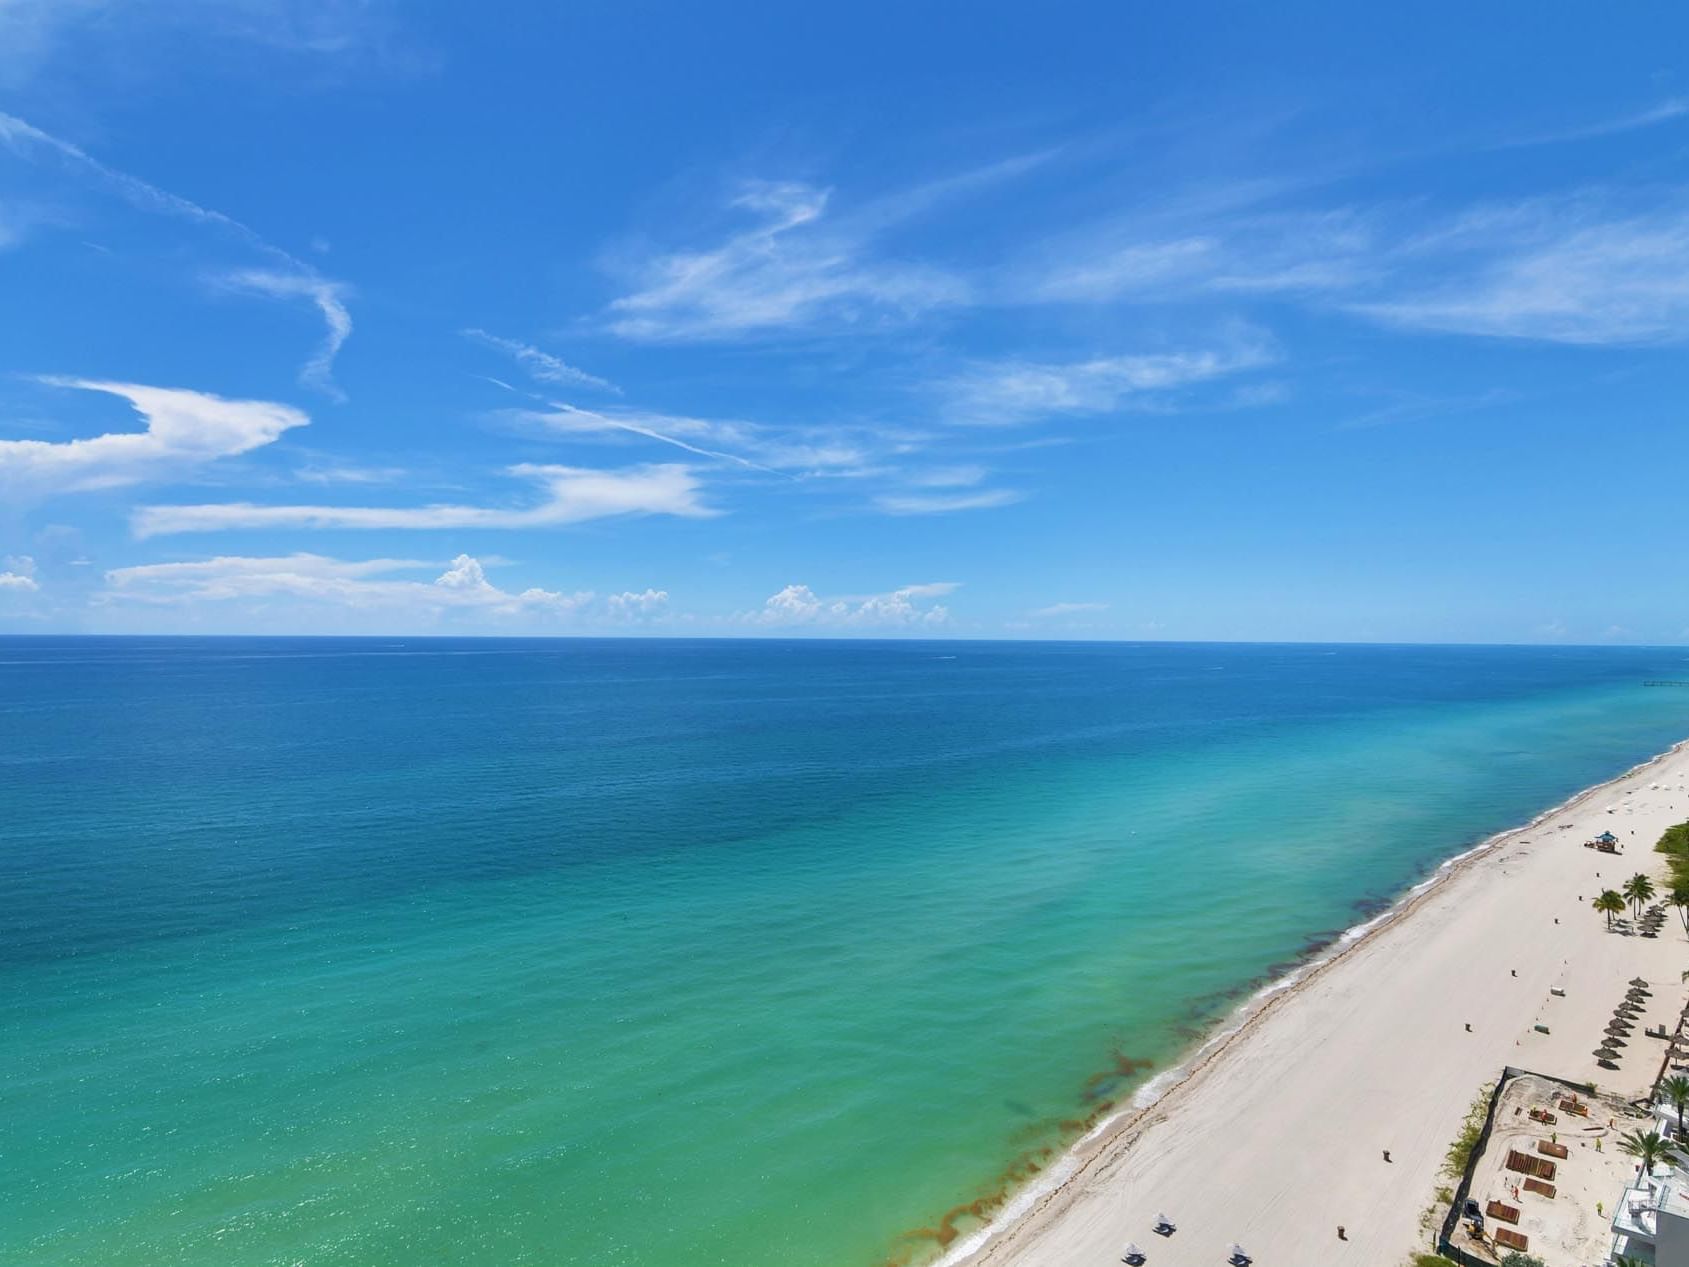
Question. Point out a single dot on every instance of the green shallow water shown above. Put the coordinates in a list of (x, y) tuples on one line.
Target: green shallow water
[(703, 953)]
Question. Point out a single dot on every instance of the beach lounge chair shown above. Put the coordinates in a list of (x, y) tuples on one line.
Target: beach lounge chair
[(1512, 1240), (1502, 1212)]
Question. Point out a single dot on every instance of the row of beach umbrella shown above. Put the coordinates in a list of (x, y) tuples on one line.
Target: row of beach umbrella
[(1623, 1022)]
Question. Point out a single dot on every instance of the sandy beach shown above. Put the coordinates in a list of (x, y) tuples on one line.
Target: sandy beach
[(1276, 1135)]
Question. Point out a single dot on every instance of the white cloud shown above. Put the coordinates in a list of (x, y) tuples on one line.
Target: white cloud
[(945, 503), (570, 495), (365, 585), (19, 574), (1004, 393), (790, 270), (184, 429), (664, 429), (26, 139), (818, 450), (38, 35), (965, 476), (637, 606), (330, 300), (1302, 252), (1560, 272), (1661, 112), (908, 607), (1055, 610), (296, 279), (542, 365)]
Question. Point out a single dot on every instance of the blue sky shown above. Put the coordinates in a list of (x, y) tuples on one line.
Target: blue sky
[(1201, 321)]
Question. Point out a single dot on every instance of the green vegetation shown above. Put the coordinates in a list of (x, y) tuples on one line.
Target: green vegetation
[(1429, 1260), (1609, 902), (1675, 845), (1679, 897), (1459, 1155), (1516, 1259), (1675, 1092), (1647, 1147), (1637, 890)]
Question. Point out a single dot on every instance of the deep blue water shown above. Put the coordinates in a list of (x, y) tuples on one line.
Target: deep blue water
[(370, 951)]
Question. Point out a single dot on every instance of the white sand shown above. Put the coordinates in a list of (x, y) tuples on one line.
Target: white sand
[(1276, 1136)]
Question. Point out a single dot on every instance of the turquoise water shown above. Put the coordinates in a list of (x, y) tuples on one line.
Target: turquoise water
[(384, 952)]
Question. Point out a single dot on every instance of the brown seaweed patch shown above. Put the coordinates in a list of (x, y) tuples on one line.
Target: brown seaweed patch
[(918, 1242), (1124, 1068)]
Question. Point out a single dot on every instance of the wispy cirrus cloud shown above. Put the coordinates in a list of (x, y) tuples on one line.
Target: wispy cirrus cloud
[(789, 450), (568, 495), (540, 364), (36, 34), (329, 299), (184, 430), (909, 606), (1010, 392), (1573, 271), (29, 141), (792, 269), (1667, 110), (286, 277), (1597, 267), (945, 503)]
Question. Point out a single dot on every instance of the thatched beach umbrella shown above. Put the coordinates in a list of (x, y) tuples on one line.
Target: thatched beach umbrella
[(1638, 982), (1605, 1053), (1616, 1042), (1620, 1029)]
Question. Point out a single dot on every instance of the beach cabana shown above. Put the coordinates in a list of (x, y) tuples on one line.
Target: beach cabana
[(1133, 1257)]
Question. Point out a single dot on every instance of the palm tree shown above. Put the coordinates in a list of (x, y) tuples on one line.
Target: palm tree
[(1610, 903), (1647, 1148), (1679, 897), (1638, 889), (1675, 1092)]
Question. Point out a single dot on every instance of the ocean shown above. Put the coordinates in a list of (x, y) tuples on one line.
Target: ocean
[(619, 953)]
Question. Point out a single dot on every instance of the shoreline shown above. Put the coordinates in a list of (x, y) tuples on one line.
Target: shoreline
[(1169, 1091)]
